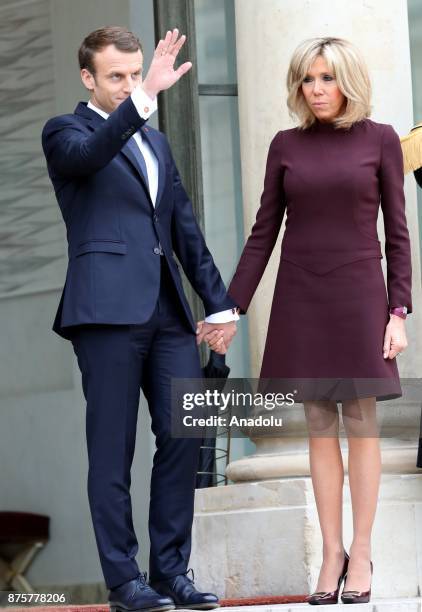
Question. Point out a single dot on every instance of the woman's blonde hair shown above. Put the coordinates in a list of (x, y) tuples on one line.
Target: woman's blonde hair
[(349, 69)]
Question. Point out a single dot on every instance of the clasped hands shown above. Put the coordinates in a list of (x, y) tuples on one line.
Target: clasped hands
[(218, 336)]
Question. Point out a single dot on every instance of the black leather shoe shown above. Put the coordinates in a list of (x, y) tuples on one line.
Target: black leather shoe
[(137, 596), (184, 594)]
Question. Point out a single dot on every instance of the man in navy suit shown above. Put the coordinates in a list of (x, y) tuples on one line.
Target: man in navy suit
[(123, 307)]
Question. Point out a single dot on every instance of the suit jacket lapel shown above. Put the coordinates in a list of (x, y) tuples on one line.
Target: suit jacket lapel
[(132, 160), (97, 120), (155, 146)]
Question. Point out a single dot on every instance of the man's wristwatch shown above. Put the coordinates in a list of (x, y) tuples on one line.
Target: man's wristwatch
[(399, 312)]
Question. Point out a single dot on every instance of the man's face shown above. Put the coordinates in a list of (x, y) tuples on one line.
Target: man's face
[(116, 75)]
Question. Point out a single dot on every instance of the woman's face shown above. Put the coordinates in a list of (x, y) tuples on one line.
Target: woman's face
[(321, 93)]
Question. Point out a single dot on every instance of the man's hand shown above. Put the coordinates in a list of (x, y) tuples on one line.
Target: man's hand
[(395, 340), (218, 336), (161, 74)]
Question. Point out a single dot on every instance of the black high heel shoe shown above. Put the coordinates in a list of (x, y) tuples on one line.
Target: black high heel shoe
[(353, 597), (324, 598)]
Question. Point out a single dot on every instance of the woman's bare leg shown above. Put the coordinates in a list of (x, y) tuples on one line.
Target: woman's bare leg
[(327, 480), (359, 418)]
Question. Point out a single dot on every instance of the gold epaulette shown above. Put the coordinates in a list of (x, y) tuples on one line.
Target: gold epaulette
[(412, 149)]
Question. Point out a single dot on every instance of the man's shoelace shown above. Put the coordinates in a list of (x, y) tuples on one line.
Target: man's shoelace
[(142, 584), (192, 580)]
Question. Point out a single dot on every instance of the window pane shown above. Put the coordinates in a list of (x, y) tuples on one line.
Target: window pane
[(215, 39), (223, 200)]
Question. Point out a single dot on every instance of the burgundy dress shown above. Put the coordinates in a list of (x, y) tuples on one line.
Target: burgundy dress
[(330, 305)]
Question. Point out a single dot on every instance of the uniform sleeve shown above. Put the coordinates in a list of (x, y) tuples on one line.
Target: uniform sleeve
[(397, 243), (260, 244)]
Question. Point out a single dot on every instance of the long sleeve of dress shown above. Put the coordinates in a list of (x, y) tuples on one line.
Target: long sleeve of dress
[(263, 237), (397, 243)]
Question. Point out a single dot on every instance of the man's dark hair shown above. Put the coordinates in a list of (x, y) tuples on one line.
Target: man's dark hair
[(121, 38)]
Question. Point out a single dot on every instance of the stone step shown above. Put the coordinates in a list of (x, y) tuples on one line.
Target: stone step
[(377, 605)]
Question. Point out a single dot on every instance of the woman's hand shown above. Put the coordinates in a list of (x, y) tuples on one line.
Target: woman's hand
[(215, 341), (395, 340), (215, 338)]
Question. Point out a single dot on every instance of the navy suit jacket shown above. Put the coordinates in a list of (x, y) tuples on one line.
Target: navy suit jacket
[(115, 235)]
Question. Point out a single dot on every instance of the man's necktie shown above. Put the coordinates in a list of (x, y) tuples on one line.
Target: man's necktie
[(132, 145)]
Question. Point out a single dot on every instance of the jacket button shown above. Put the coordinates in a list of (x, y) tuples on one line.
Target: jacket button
[(155, 218), (157, 251)]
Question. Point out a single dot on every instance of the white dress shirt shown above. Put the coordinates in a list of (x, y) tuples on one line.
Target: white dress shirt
[(145, 107)]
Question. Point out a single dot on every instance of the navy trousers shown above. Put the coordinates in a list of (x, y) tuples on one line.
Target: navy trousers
[(116, 362)]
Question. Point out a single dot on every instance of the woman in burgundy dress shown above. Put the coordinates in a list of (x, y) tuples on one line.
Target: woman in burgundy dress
[(332, 321)]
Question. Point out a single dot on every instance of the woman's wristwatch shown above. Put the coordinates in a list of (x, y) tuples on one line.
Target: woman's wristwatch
[(399, 312)]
